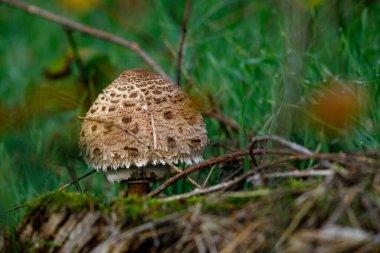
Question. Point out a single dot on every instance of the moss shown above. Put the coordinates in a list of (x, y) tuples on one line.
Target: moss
[(156, 208), (136, 210), (272, 209), (161, 208), (278, 202), (54, 201)]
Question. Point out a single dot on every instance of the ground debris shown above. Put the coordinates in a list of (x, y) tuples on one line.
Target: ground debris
[(333, 239), (338, 211), (328, 216)]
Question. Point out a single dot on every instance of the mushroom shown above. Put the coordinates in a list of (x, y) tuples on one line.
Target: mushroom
[(137, 126)]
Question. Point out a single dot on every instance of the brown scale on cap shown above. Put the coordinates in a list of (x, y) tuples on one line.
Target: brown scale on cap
[(152, 108)]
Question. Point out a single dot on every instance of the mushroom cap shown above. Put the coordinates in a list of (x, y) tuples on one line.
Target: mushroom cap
[(155, 110)]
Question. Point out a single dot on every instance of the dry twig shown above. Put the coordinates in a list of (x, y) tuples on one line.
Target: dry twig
[(297, 173), (337, 158), (291, 145), (213, 161), (197, 167)]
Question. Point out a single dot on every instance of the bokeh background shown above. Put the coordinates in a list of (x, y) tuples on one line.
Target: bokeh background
[(308, 70)]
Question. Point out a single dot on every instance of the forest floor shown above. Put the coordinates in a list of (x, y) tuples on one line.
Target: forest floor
[(339, 213)]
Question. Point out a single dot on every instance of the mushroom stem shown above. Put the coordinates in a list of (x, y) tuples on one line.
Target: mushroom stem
[(138, 188)]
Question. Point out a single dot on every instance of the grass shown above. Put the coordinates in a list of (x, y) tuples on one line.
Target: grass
[(239, 52)]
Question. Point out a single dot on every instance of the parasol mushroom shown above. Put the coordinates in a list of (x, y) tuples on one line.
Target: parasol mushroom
[(137, 126)]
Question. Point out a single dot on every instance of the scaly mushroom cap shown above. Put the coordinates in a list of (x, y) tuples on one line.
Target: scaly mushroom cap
[(155, 111)]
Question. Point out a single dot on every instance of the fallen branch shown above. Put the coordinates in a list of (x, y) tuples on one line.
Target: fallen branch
[(222, 186), (296, 173), (198, 192), (212, 161), (197, 167), (337, 158), (283, 142), (291, 145), (72, 25)]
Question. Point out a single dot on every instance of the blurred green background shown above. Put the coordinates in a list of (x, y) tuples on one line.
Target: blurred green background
[(274, 67)]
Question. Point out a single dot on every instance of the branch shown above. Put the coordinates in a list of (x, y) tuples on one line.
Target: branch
[(199, 192), (182, 40), (196, 167), (210, 162), (291, 145), (339, 158), (133, 46), (296, 173), (222, 186)]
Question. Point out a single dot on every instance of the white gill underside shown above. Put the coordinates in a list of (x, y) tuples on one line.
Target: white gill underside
[(150, 173), (142, 164)]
